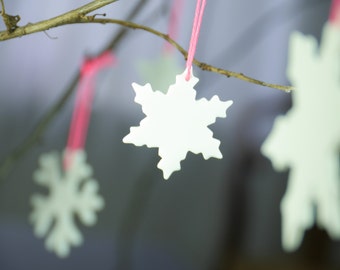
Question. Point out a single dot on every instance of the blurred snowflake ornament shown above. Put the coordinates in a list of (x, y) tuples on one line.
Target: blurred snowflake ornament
[(307, 139), (71, 193), (177, 123), (160, 81), (161, 71)]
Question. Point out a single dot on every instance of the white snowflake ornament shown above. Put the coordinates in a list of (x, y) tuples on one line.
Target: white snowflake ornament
[(177, 123), (307, 139), (71, 193)]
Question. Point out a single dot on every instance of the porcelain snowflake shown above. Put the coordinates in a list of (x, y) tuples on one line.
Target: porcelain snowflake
[(177, 123), (307, 139), (74, 193)]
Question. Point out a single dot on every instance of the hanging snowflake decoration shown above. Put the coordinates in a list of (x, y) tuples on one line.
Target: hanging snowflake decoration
[(72, 193), (307, 139), (176, 123)]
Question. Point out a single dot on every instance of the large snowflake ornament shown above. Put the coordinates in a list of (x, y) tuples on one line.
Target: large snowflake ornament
[(307, 139), (71, 193), (176, 123)]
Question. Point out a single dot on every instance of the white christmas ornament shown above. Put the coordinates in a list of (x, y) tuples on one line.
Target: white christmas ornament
[(72, 193), (307, 139), (176, 123)]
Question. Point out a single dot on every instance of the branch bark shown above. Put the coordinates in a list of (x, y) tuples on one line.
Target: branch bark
[(71, 17)]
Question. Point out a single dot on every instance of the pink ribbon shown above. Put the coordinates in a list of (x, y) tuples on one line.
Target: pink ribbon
[(334, 15), (83, 103), (194, 35), (175, 13)]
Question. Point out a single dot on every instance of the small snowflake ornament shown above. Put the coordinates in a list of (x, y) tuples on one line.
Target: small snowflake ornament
[(160, 80), (73, 193), (307, 139), (177, 123), (161, 72)]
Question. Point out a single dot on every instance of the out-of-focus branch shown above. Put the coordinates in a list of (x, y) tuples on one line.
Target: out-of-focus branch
[(70, 17)]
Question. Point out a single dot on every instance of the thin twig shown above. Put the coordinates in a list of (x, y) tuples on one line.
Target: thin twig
[(122, 31), (9, 20), (201, 65), (70, 17), (3, 7)]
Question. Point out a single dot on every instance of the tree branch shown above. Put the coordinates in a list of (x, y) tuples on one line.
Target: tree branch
[(201, 65), (71, 17), (78, 16)]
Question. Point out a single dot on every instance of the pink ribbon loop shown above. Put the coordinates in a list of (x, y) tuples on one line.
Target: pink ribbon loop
[(194, 35), (83, 103)]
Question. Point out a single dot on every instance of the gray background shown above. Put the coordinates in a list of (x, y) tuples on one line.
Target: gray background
[(214, 214)]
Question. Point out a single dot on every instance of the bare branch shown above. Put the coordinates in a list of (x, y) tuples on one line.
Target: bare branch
[(71, 17), (78, 16), (201, 65)]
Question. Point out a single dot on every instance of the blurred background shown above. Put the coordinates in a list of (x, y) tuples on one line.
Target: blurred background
[(214, 214)]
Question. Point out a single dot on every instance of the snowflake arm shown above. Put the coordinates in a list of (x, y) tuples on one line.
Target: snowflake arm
[(177, 123), (74, 193)]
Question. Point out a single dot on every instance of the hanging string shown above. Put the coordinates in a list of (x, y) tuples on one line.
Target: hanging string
[(194, 35), (175, 13), (334, 15), (83, 103)]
